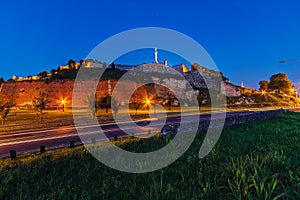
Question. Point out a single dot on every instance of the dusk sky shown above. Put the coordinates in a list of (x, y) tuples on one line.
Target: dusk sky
[(246, 39)]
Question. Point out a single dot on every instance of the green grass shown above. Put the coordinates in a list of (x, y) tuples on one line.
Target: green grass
[(28, 119), (250, 161)]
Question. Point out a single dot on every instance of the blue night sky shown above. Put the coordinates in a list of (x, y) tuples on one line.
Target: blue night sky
[(246, 39)]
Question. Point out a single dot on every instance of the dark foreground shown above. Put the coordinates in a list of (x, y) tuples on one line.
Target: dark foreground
[(250, 161)]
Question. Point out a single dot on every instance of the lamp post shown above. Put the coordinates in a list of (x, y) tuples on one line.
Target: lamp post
[(63, 102), (148, 103)]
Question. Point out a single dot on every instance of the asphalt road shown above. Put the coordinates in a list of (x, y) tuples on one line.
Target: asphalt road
[(31, 140)]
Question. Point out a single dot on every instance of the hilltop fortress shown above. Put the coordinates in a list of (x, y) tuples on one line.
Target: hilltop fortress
[(59, 83)]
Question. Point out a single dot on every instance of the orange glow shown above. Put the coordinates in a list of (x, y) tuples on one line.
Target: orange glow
[(63, 101), (148, 102)]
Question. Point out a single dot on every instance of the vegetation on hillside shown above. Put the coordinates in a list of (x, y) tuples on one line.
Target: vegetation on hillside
[(279, 83)]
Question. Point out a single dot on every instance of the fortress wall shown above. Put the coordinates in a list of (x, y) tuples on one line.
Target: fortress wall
[(24, 92), (232, 90)]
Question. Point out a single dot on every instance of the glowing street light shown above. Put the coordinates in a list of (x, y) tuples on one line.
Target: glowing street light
[(148, 102), (63, 102)]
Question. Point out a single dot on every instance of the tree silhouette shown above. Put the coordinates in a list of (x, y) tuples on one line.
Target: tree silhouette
[(109, 102), (5, 107), (114, 105), (39, 104), (93, 104), (1, 81), (280, 83), (136, 106), (72, 64), (263, 85)]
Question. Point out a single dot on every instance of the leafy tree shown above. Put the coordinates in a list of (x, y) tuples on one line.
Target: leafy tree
[(109, 102), (104, 103), (5, 107), (39, 104), (136, 106), (93, 104), (43, 74), (114, 105), (263, 85), (53, 71), (1, 81), (72, 64), (280, 83), (113, 66)]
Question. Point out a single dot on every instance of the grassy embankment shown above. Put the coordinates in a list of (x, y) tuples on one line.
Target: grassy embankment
[(250, 161)]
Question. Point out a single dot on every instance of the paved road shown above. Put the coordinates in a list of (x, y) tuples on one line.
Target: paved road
[(31, 140)]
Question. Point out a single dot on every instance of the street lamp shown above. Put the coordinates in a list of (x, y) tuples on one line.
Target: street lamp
[(63, 102), (148, 102)]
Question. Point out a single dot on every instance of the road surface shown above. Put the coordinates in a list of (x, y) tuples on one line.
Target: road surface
[(31, 140)]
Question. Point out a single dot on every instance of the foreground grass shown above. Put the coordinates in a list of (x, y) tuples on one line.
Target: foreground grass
[(250, 161)]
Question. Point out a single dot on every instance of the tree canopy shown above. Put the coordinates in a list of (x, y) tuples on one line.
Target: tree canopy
[(5, 107), (278, 83), (39, 104), (263, 85)]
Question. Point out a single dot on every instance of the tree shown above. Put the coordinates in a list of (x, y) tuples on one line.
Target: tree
[(93, 104), (114, 105), (136, 106), (113, 66), (280, 83), (5, 107), (109, 102), (43, 74), (72, 64), (1, 81), (104, 103), (263, 85), (39, 104)]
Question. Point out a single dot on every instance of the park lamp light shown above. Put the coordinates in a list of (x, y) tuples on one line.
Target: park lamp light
[(148, 102), (63, 103)]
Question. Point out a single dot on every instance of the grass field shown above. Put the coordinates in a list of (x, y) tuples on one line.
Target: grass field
[(28, 119), (250, 161)]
